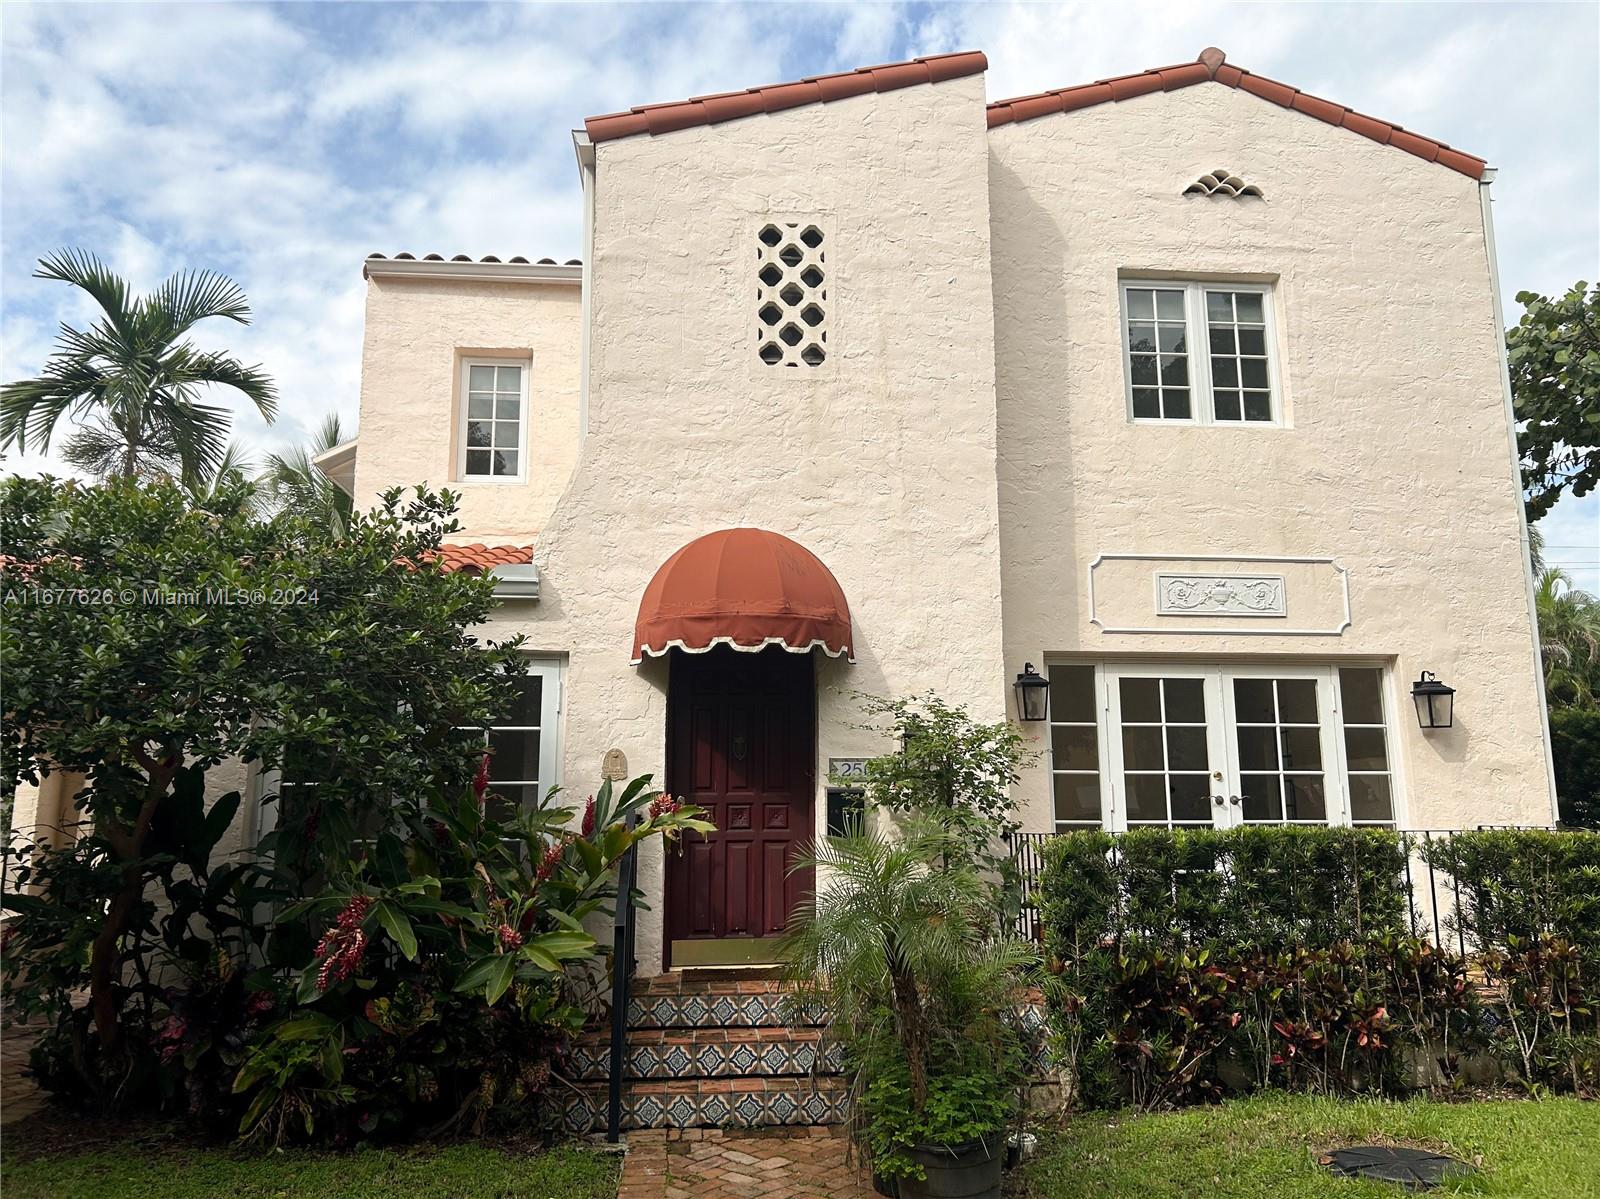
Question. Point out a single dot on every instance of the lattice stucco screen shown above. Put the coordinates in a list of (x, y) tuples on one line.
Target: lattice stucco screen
[(791, 294)]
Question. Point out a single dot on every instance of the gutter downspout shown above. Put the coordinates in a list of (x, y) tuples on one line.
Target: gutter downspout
[(1516, 487)]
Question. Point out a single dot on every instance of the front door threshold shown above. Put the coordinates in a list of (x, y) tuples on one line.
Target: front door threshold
[(727, 952)]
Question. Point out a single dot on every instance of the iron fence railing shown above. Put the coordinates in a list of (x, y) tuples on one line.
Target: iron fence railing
[(622, 937), (1437, 907)]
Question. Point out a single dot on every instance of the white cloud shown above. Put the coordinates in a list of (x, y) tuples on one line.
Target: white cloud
[(283, 144)]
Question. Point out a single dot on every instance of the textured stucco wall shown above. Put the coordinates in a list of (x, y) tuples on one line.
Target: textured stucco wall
[(417, 332), (881, 462), (1396, 455)]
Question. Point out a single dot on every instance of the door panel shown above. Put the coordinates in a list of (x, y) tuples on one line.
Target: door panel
[(742, 745), (1283, 757), (1166, 749)]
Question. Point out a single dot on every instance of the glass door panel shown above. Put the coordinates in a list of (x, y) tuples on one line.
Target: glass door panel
[(1282, 752), (1166, 748)]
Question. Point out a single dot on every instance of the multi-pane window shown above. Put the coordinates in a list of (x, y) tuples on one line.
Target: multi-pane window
[(1368, 773), (1074, 747), (1278, 726), (522, 744), (493, 442), (1199, 352), (1166, 762), (1219, 746)]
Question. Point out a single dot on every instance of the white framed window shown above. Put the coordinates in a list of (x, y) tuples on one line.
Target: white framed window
[(1212, 746), (493, 429), (1200, 353), (524, 747)]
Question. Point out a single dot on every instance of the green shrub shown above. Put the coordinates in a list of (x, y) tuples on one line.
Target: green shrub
[(1189, 963)]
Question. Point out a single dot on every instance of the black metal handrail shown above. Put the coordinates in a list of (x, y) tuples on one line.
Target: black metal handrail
[(622, 926)]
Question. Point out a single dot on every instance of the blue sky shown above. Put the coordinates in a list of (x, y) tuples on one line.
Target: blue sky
[(281, 144)]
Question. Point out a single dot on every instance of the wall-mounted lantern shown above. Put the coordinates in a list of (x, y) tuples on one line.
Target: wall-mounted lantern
[(1033, 694), (1435, 702)]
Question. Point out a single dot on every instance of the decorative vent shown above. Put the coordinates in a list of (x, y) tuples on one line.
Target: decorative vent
[(791, 294), (1222, 182)]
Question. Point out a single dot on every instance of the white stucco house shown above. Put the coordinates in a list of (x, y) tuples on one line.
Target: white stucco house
[(1167, 415), (1183, 388)]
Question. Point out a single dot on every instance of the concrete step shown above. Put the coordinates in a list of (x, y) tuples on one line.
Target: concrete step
[(739, 1102), (664, 1053)]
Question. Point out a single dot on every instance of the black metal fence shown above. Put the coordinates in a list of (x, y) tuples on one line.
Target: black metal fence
[(1437, 907)]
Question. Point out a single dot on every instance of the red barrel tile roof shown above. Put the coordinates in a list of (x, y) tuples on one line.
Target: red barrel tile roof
[(819, 89), (478, 557), (1212, 67)]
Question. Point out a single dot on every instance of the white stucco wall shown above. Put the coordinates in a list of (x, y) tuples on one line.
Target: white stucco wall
[(1395, 457), (417, 333), (881, 462)]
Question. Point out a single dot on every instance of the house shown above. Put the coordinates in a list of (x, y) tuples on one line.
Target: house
[(1185, 386)]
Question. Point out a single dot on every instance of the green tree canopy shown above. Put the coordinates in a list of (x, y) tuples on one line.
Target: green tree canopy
[(132, 380), (149, 634), (1554, 356)]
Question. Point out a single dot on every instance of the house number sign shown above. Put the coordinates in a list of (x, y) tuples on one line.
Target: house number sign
[(845, 771), (1220, 595)]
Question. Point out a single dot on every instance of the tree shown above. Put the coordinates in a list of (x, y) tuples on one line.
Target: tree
[(1569, 640), (132, 379), (149, 635), (1554, 356), (292, 482)]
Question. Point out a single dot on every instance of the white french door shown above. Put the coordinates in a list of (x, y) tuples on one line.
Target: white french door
[(1221, 746)]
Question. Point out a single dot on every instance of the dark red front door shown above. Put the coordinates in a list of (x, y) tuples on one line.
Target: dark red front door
[(742, 745)]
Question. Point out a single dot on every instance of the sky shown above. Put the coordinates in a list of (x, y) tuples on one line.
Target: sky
[(281, 144)]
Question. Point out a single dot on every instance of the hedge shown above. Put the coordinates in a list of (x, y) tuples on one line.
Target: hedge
[(1186, 964)]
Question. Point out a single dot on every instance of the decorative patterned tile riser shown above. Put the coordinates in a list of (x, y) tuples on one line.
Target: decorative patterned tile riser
[(769, 1010), (739, 1057), (747, 1103)]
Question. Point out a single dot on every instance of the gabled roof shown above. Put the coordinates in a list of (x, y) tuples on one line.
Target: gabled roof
[(818, 89), (1212, 67)]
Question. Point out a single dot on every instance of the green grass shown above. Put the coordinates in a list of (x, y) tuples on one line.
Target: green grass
[(1267, 1147), (453, 1172)]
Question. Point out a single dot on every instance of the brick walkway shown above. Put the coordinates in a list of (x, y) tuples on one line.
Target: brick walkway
[(799, 1163)]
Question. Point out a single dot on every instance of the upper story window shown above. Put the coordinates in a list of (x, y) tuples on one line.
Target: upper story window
[(494, 432), (791, 294), (1200, 353)]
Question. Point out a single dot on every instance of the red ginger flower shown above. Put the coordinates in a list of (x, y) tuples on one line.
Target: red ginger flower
[(510, 938), (588, 818), (552, 859), (343, 945), (480, 781), (663, 805)]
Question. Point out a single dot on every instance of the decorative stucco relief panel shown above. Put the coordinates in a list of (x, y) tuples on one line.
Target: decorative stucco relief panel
[(1219, 594)]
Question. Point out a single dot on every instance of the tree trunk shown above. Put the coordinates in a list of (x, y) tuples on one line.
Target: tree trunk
[(128, 843), (913, 1037)]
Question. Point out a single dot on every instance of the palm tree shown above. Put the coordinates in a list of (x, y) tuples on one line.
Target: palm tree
[(1569, 638), (131, 381), (292, 482)]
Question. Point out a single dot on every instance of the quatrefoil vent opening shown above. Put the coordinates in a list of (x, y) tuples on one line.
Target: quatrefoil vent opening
[(1222, 182)]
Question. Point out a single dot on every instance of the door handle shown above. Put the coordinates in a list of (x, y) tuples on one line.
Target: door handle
[(1219, 800), (1235, 800)]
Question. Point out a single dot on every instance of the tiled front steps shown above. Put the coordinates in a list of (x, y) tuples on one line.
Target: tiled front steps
[(712, 1103), (711, 1050), (681, 1053)]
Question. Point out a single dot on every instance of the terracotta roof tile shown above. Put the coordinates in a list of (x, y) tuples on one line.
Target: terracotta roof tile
[(478, 557), (1211, 66), (819, 89)]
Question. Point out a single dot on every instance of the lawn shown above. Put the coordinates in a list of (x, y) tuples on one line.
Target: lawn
[(1268, 1146), (451, 1172)]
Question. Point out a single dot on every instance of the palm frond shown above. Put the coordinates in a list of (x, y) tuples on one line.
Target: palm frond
[(191, 296), (86, 272)]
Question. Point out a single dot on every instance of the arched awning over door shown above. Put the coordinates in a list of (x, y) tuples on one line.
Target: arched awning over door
[(747, 588)]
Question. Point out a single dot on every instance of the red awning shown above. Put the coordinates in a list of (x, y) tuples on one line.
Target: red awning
[(747, 588)]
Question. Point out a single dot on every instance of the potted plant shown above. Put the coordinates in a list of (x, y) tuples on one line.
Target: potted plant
[(903, 949)]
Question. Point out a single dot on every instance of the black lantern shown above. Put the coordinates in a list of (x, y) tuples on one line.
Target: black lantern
[(1435, 702), (1033, 694)]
